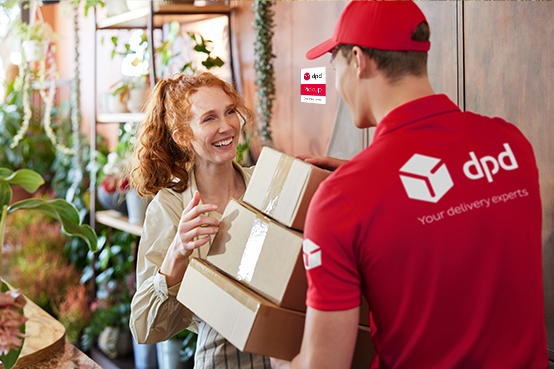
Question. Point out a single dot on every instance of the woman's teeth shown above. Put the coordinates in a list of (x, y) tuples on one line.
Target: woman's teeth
[(223, 143)]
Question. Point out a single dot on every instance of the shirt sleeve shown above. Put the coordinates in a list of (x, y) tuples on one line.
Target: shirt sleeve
[(156, 315), (329, 252)]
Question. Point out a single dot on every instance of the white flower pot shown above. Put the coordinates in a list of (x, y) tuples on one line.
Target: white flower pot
[(115, 105), (137, 99), (136, 4), (34, 50)]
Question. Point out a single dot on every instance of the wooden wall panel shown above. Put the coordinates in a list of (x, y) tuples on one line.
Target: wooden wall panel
[(297, 127), (312, 23), (509, 64), (442, 66)]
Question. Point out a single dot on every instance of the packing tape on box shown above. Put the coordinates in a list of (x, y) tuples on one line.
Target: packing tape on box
[(253, 248), (228, 286), (276, 185)]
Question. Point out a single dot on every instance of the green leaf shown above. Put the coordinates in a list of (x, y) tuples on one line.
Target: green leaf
[(5, 194), (11, 358), (26, 178), (65, 213)]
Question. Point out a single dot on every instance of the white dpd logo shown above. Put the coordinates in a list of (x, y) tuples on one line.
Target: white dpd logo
[(312, 254), (488, 166), (425, 179)]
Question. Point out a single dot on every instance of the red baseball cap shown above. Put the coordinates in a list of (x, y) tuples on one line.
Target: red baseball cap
[(382, 25)]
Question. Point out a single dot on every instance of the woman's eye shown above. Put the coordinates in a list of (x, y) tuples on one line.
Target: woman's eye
[(231, 111), (207, 119)]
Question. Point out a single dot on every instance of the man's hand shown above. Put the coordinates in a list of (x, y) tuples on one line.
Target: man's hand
[(325, 162), (328, 343)]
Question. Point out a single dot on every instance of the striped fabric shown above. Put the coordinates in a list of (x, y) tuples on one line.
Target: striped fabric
[(215, 352)]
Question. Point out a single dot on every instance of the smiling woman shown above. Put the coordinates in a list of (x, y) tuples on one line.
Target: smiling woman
[(185, 157)]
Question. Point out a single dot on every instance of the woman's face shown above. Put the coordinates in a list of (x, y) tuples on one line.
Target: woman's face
[(215, 126)]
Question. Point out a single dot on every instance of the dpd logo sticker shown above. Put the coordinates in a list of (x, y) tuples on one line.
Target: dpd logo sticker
[(312, 85)]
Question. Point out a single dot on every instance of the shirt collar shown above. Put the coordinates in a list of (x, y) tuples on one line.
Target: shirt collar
[(414, 111)]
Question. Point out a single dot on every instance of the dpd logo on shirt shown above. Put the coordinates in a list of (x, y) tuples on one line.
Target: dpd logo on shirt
[(427, 179), (311, 253)]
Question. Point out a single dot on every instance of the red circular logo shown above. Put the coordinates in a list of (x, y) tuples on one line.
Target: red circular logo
[(306, 76)]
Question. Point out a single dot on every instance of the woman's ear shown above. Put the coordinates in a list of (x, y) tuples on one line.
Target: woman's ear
[(179, 138)]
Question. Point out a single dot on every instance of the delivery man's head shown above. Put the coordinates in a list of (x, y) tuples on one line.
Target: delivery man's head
[(393, 34)]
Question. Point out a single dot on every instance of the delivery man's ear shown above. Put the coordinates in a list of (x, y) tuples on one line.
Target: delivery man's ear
[(365, 66)]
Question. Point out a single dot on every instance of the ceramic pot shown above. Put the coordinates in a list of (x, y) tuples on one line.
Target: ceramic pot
[(169, 355), (136, 207), (115, 342), (137, 99), (146, 356), (112, 201), (116, 106)]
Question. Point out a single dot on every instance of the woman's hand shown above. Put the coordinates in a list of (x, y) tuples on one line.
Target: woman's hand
[(325, 162), (194, 230), (279, 364)]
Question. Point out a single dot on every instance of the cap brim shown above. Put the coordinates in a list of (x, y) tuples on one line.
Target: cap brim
[(321, 49)]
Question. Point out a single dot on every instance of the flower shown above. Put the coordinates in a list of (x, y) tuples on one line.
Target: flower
[(11, 318), (113, 181)]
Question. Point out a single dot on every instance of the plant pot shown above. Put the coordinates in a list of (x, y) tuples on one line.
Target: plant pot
[(115, 342), (34, 50), (169, 355), (112, 201), (115, 105), (136, 207), (136, 4), (145, 355), (116, 7), (137, 99)]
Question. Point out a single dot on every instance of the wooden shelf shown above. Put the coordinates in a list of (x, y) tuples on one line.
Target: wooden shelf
[(163, 14), (115, 219), (120, 117)]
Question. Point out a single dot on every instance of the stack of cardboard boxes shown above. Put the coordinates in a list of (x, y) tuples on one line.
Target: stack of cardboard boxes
[(252, 287)]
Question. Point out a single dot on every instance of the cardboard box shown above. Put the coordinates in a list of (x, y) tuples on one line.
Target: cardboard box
[(282, 187), (262, 254), (249, 321)]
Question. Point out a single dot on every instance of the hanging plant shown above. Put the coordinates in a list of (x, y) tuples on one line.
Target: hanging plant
[(265, 81), (40, 35)]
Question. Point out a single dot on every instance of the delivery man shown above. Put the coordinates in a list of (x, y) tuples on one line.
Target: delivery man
[(437, 223)]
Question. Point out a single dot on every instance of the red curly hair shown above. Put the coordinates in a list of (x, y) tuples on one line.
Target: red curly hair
[(159, 162)]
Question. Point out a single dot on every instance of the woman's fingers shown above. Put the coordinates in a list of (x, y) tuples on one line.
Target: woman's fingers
[(193, 202)]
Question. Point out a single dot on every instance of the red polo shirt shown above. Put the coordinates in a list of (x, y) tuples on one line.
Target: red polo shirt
[(438, 224)]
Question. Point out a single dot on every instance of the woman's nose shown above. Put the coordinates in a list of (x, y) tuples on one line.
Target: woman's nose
[(224, 124)]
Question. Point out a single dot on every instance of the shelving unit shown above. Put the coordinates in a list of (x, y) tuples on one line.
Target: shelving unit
[(116, 220)]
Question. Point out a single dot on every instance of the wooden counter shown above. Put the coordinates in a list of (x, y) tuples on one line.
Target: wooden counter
[(45, 345)]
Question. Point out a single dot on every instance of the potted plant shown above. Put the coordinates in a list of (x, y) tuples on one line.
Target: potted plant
[(178, 351), (115, 282), (59, 209)]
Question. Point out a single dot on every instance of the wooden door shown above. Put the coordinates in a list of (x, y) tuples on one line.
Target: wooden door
[(509, 72)]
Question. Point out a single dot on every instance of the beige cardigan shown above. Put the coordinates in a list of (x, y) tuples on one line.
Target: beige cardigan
[(156, 315)]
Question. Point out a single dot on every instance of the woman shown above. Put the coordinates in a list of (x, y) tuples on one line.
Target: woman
[(184, 156)]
